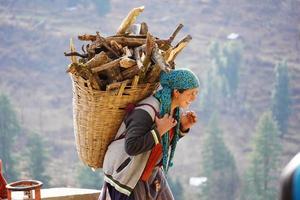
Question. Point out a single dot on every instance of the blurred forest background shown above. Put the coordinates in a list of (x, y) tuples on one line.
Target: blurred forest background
[(247, 54)]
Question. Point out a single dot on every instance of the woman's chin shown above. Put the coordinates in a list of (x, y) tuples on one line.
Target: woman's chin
[(185, 106)]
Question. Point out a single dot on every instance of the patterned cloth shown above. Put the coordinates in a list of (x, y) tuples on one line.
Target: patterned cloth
[(176, 79), (156, 188)]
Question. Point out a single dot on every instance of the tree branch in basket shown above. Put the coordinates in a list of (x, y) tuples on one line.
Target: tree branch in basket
[(127, 62), (113, 74), (80, 70), (150, 44), (127, 41), (130, 72), (99, 59), (76, 54), (127, 52), (129, 20), (153, 74), (114, 63), (137, 56), (103, 42), (144, 28), (116, 47), (159, 60), (172, 37), (166, 44), (87, 37), (178, 48)]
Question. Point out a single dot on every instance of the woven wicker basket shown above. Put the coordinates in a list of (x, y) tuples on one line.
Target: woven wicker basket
[(97, 115)]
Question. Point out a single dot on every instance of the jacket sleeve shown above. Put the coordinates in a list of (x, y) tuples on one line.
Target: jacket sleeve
[(141, 135), (183, 133)]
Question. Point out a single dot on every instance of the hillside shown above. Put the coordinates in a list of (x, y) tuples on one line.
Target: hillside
[(33, 37)]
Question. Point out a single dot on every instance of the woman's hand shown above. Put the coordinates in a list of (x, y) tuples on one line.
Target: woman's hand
[(164, 124), (187, 120)]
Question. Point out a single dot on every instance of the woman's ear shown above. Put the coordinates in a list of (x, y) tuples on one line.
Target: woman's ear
[(176, 93)]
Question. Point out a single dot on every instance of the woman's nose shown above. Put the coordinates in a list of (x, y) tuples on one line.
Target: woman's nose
[(193, 97)]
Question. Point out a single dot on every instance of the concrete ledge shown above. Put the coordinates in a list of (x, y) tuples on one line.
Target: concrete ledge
[(64, 194)]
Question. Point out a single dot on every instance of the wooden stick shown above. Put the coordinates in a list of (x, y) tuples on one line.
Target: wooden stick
[(99, 59), (116, 47), (114, 63), (114, 74), (72, 49), (150, 44), (166, 44), (124, 40), (137, 56), (87, 37), (127, 52), (144, 28), (154, 74), (91, 50), (105, 44), (127, 62), (73, 54), (127, 41), (159, 60), (179, 27), (80, 70), (130, 72), (129, 20), (178, 48)]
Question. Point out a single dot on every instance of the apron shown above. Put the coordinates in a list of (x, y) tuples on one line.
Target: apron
[(155, 188)]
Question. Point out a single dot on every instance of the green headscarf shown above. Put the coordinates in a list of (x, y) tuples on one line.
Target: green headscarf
[(176, 79)]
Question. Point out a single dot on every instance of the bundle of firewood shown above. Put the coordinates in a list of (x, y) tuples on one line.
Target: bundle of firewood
[(132, 52)]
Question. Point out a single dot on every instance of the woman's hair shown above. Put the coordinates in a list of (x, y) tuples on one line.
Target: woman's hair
[(180, 79), (181, 90)]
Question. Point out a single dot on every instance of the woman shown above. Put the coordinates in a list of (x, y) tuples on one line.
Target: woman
[(137, 161)]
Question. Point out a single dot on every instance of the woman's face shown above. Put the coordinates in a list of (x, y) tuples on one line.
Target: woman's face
[(184, 99)]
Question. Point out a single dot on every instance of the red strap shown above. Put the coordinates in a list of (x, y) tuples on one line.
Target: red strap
[(153, 158), (3, 191)]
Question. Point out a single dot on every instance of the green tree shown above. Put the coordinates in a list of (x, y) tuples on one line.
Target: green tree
[(260, 179), (281, 97), (9, 129), (37, 159), (215, 87), (232, 51), (87, 178), (218, 166), (227, 61), (211, 95), (176, 188)]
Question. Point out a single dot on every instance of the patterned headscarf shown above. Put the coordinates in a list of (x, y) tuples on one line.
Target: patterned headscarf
[(176, 79)]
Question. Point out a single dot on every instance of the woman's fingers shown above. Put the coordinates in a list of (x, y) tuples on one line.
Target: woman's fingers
[(166, 122), (174, 122)]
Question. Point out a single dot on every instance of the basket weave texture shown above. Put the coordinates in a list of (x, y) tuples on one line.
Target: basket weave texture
[(97, 116)]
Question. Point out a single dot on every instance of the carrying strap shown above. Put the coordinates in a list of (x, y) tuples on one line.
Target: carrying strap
[(147, 104), (130, 107)]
